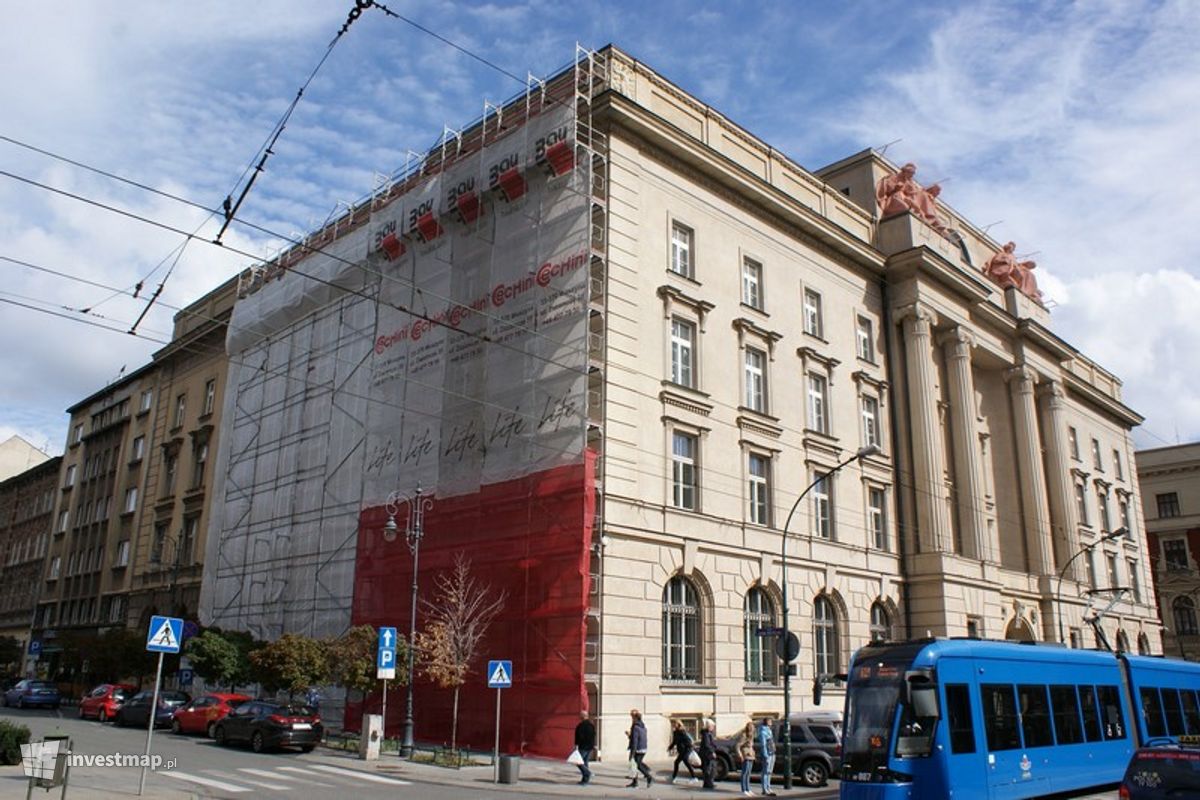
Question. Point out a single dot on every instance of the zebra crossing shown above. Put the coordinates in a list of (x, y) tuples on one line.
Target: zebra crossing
[(283, 778)]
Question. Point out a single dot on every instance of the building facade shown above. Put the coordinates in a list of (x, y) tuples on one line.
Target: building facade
[(17, 456), (26, 515), (1170, 479)]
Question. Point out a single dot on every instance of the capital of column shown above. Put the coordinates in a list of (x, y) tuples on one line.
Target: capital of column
[(957, 342), (1021, 377), (916, 317), (1054, 392)]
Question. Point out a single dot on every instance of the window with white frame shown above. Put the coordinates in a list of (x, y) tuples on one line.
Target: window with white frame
[(760, 489), (880, 628), (877, 517), (1135, 580), (201, 458), (139, 448), (1102, 505), (122, 557), (818, 402), (63, 518), (131, 500), (77, 434), (55, 568), (681, 648), (826, 656), (170, 468), (870, 421), (822, 507), (1073, 442), (210, 396), (1081, 503), (1097, 460), (683, 349), (147, 400), (761, 663), (1113, 575), (756, 379), (1118, 467), (864, 332), (752, 283), (1123, 509), (187, 541), (180, 410), (683, 470), (681, 249), (116, 609), (70, 481), (812, 313)]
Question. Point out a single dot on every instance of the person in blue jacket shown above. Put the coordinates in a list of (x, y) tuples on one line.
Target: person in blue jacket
[(766, 746), (638, 745)]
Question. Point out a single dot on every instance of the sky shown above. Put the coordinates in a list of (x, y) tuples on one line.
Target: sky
[(1065, 127)]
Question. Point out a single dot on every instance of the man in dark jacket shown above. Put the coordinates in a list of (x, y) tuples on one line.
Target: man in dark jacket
[(585, 741), (638, 745), (708, 753)]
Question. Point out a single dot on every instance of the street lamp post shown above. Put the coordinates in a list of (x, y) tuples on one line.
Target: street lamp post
[(1087, 548), (862, 453), (414, 531)]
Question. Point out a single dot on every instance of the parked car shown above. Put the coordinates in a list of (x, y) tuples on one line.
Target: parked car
[(202, 714), (816, 748), (269, 725), (136, 710), (102, 702), (1162, 769), (33, 693)]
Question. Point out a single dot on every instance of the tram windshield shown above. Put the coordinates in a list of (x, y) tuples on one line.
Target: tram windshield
[(874, 691)]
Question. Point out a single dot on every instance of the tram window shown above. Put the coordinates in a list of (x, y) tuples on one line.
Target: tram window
[(1000, 717), (1170, 698), (1066, 714), (1035, 716), (1152, 712), (1114, 720), (1091, 713), (958, 710), (1191, 712)]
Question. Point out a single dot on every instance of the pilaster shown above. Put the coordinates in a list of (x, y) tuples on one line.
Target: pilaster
[(964, 433), (1031, 475), (1064, 520)]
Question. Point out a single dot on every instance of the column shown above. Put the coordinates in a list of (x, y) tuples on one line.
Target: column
[(964, 435), (1031, 476), (933, 517), (1064, 521)]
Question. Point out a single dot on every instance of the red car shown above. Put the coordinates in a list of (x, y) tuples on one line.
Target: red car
[(202, 714), (103, 701)]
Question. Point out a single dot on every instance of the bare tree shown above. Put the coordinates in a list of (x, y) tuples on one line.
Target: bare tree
[(458, 618)]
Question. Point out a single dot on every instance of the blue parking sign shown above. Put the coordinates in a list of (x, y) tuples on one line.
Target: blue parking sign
[(385, 656)]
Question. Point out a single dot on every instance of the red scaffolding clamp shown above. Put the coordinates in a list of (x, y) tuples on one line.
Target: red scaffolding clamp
[(560, 157), (392, 246), (468, 207), (512, 184), (428, 227)]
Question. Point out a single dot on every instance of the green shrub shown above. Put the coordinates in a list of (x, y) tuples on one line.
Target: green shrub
[(11, 738)]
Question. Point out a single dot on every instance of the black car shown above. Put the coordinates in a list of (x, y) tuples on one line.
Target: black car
[(269, 725), (816, 748), (1163, 770), (136, 710)]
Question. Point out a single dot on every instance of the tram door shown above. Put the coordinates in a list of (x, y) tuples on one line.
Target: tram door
[(962, 747)]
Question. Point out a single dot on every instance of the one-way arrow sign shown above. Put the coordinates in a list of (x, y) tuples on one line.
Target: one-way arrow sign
[(385, 658)]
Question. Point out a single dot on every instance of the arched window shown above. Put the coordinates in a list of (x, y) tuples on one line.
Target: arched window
[(825, 637), (1122, 642), (881, 624), (1185, 616), (1143, 644), (681, 631), (760, 656)]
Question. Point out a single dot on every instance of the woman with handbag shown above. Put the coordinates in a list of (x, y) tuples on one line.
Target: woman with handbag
[(745, 751), (682, 746), (638, 745), (708, 753)]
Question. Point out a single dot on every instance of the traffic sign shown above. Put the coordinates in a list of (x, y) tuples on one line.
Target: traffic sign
[(500, 674), (385, 656), (769, 632), (788, 648), (165, 635), (35, 647), (185, 676)]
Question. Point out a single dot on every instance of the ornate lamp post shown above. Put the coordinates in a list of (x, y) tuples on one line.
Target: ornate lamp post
[(414, 531), (862, 453), (1087, 548)]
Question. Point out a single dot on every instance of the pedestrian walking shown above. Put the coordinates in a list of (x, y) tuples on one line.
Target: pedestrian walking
[(585, 743), (683, 747), (766, 746), (638, 744), (708, 753), (745, 752)]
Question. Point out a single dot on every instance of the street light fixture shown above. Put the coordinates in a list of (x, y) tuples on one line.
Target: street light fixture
[(414, 531), (863, 452), (1087, 548)]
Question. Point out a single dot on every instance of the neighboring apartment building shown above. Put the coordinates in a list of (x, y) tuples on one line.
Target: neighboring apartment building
[(743, 327), (26, 515), (1170, 479), (18, 455)]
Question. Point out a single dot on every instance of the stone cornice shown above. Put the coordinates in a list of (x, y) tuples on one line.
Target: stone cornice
[(1098, 400)]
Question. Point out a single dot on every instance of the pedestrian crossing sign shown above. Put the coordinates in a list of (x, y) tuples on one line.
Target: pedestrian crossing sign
[(500, 674), (165, 635)]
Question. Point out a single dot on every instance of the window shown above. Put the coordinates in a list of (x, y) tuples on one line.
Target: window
[(210, 396), (180, 409), (139, 448), (958, 712), (187, 541), (55, 567), (1081, 503), (70, 480), (122, 558), (1000, 717), (130, 500), (683, 471), (681, 631), (1168, 504), (1175, 554), (160, 539), (683, 341), (1065, 703), (877, 517), (169, 469), (812, 313), (1090, 564), (818, 419), (1144, 650), (1102, 504), (825, 638), (1123, 509), (1111, 560), (1073, 442), (864, 334), (870, 421), (77, 434), (1135, 581), (881, 626), (198, 465), (681, 249), (1035, 715), (1118, 469), (752, 283), (1184, 610), (1097, 461), (147, 400), (822, 508), (760, 489), (116, 611), (756, 380), (1110, 707), (760, 650)]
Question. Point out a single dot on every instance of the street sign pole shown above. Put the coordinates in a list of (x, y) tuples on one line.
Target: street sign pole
[(384, 715), (150, 725), (496, 751), (500, 677)]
